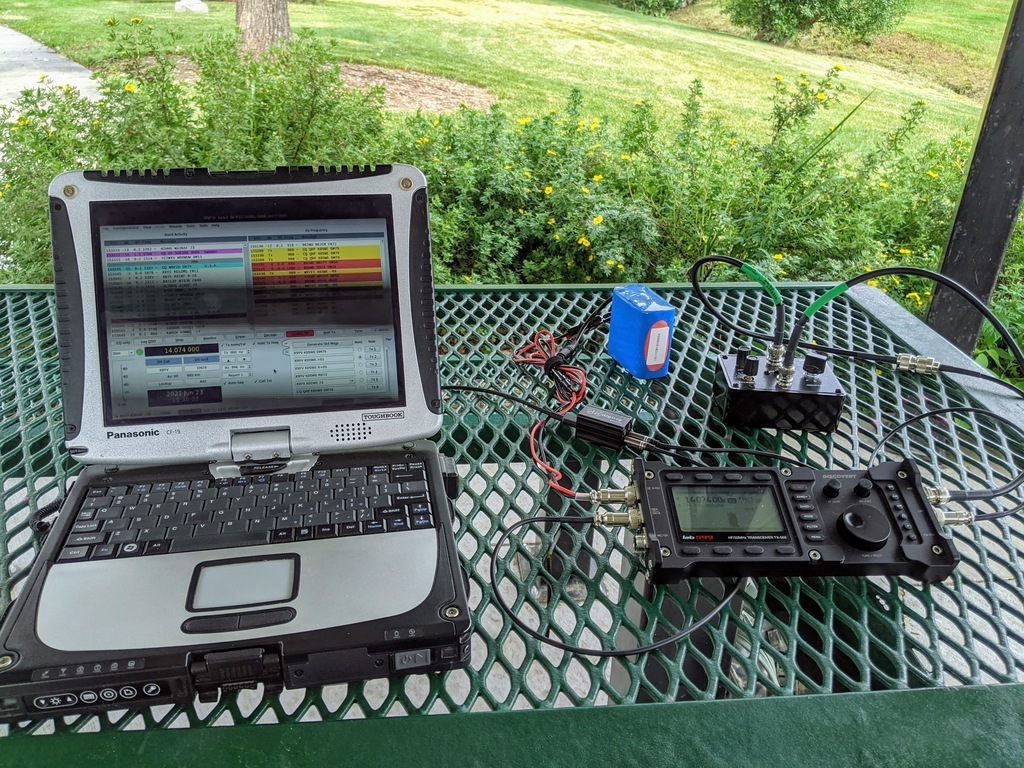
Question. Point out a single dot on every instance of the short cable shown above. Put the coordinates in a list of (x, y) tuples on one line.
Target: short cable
[(682, 634)]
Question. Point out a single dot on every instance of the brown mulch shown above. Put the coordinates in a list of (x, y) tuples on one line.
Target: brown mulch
[(407, 90)]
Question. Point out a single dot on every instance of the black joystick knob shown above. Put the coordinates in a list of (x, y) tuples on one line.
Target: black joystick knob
[(751, 366), (832, 488), (814, 364), (865, 527), (741, 357), (863, 488)]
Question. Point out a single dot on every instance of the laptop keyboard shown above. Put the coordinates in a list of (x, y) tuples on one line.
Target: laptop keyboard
[(194, 515)]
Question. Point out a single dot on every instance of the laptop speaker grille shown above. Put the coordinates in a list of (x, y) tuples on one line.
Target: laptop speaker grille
[(347, 433)]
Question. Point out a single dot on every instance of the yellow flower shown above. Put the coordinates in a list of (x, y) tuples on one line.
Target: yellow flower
[(111, 22), (423, 140), (883, 184), (466, 278), (821, 96), (521, 211), (523, 120), (527, 174), (610, 262), (621, 266), (582, 240), (933, 174), (552, 152), (598, 177), (448, 148), (584, 190), (783, 272), (627, 158), (838, 67), (131, 87), (590, 257), (548, 189), (804, 83), (41, 78), (135, 20), (731, 142), (778, 257), (906, 251), (916, 296), (873, 283), (551, 220), (570, 263), (598, 220), (557, 236), (508, 167), (779, 78), (587, 278)]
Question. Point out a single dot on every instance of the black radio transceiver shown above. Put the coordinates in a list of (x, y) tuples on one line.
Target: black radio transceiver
[(751, 521)]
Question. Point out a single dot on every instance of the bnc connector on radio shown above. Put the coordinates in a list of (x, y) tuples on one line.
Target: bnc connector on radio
[(954, 516), (937, 496), (916, 363), (776, 352), (632, 518), (625, 496)]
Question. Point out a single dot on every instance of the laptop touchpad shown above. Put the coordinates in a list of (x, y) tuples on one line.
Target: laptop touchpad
[(242, 582)]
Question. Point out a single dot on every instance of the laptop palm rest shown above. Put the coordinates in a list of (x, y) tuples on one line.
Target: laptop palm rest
[(143, 603)]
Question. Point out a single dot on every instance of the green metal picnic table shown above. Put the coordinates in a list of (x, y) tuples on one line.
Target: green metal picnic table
[(851, 670)]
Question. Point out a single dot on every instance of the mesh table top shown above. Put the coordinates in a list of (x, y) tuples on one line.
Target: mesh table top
[(584, 586)]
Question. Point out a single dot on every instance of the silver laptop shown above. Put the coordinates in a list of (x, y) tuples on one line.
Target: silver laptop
[(249, 369)]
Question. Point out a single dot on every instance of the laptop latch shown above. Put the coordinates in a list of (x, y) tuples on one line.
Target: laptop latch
[(236, 670), (262, 453)]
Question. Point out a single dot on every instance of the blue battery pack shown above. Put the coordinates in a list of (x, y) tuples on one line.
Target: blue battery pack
[(640, 332)]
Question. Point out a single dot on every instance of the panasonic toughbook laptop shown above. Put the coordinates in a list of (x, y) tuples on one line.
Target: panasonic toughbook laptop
[(249, 369)]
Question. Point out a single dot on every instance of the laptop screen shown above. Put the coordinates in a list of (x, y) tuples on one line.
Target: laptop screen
[(244, 307)]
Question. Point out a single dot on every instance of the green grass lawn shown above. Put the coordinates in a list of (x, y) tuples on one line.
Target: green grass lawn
[(951, 43), (529, 53)]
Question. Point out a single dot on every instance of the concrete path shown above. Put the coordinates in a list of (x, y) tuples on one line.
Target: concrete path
[(23, 60)]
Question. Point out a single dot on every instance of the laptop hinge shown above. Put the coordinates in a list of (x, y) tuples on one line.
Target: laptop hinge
[(234, 670), (262, 453)]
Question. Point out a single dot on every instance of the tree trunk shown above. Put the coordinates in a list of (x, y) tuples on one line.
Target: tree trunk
[(263, 23)]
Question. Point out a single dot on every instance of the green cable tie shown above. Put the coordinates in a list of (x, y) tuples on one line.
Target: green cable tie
[(763, 281), (821, 301)]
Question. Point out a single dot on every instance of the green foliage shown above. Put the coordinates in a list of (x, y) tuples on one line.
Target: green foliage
[(780, 20), (650, 7), (288, 108)]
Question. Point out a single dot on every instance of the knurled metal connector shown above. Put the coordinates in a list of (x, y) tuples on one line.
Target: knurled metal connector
[(916, 363), (632, 518), (786, 374), (625, 496), (954, 516), (937, 496), (776, 352)]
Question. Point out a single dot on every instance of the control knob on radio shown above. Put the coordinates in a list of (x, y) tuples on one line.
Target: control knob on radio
[(865, 527), (863, 488), (832, 488)]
